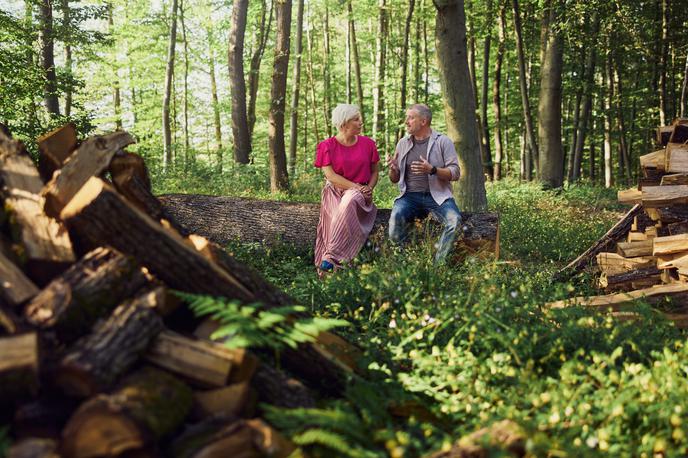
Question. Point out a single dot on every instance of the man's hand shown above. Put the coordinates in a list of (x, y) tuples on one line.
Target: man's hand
[(422, 167), (392, 164)]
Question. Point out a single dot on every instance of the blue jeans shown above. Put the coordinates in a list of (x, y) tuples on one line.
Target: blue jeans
[(414, 205)]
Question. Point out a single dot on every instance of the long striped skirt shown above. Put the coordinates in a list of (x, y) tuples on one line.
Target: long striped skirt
[(345, 223)]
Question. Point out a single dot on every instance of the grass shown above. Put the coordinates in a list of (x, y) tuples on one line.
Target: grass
[(475, 345)]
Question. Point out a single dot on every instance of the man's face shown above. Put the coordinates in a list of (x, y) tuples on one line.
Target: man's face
[(414, 123)]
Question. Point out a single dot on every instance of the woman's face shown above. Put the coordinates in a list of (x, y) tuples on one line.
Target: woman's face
[(353, 126)]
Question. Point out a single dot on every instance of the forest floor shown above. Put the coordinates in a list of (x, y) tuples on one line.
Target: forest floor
[(473, 342)]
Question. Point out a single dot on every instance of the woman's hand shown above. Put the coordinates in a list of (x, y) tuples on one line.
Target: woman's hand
[(367, 192)]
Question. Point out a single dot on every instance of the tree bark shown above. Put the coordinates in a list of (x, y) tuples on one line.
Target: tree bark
[(279, 178), (525, 100), (380, 65), (169, 76), (187, 158), (663, 64), (496, 93), (356, 61), (326, 76), (450, 37), (90, 289), (404, 64), (254, 69), (242, 138), (623, 144), (488, 166), (67, 24), (296, 82), (684, 89), (216, 103), (606, 109), (227, 219), (311, 79), (48, 61), (551, 166)]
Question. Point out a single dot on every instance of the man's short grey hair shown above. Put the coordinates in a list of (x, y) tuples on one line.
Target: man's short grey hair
[(344, 112), (423, 110)]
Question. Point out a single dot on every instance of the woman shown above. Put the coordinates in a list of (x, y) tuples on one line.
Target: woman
[(347, 213)]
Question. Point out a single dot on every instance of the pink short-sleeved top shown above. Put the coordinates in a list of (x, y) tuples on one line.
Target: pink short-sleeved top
[(352, 162)]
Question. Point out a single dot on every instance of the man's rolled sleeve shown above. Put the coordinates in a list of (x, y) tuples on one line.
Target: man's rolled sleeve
[(451, 159)]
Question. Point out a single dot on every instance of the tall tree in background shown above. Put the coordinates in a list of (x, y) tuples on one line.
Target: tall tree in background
[(210, 31), (293, 126), (185, 40), (256, 59), (356, 60), (663, 62), (279, 179), (326, 73), (116, 92), (48, 58), (450, 39), (496, 91), (169, 75), (67, 25), (551, 166), (404, 66), (523, 85), (237, 30), (488, 166), (379, 84)]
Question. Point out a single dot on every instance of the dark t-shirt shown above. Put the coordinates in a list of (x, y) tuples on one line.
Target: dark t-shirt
[(417, 182)]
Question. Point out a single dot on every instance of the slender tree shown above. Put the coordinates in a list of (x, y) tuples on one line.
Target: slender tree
[(279, 178), (48, 61), (664, 55), (380, 65), (684, 89), (525, 100), (296, 81), (356, 61), (496, 92), (187, 149), (551, 166), (488, 167), (254, 69), (240, 131), (67, 25), (213, 94), (404, 64), (169, 76), (450, 38), (326, 74)]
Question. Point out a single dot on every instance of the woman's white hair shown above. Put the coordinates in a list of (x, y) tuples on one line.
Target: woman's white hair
[(344, 112)]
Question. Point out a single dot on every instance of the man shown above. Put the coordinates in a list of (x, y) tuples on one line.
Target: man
[(424, 165)]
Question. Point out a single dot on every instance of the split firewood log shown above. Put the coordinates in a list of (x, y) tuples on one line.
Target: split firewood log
[(668, 214), (653, 295), (34, 448), (653, 160), (96, 360), (47, 247), (664, 134), (676, 157), (235, 400), (148, 405), (55, 147), (88, 290), (679, 133), (606, 243), (674, 179), (203, 363), (634, 279), (218, 438), (614, 264), (277, 388), (226, 219), (15, 287), (18, 367), (91, 159), (670, 244), (10, 321), (634, 249)]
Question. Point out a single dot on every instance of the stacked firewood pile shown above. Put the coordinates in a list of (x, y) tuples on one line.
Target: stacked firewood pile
[(98, 357), (645, 255)]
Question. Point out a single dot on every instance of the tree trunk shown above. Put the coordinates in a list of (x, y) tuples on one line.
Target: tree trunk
[(187, 152), (116, 95), (169, 75), (311, 81), (279, 179), (684, 89), (574, 132), (254, 69), (356, 61), (296, 82), (623, 144), (380, 65), (605, 100), (66, 20), (242, 138), (488, 166), (326, 76), (404, 64), (496, 96), (47, 49), (663, 57), (525, 100), (551, 167), (216, 103), (226, 219)]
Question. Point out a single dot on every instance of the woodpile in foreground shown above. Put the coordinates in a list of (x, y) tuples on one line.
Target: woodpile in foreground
[(99, 358), (645, 255)]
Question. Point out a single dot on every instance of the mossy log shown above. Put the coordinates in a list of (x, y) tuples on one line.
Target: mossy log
[(96, 360), (148, 406), (88, 290), (226, 219)]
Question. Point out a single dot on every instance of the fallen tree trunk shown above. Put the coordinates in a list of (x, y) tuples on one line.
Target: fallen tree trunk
[(226, 219)]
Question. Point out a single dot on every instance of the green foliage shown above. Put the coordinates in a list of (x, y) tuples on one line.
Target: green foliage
[(251, 325), (474, 342)]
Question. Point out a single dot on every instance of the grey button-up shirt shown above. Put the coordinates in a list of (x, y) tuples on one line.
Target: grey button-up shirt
[(441, 153)]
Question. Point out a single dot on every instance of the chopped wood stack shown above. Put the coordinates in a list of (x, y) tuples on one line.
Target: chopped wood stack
[(647, 253), (98, 358)]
